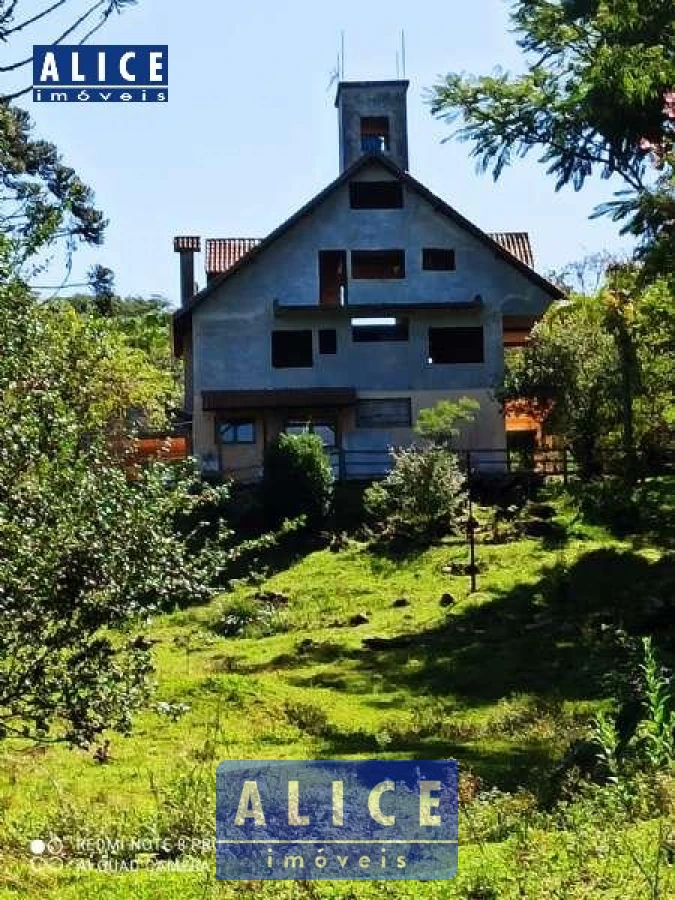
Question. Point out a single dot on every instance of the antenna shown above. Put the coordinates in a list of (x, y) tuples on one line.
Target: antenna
[(403, 54), (338, 73), (398, 65)]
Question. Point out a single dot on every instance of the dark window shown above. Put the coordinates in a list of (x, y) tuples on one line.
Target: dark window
[(384, 413), (435, 259), (378, 264), (326, 429), (376, 195), (375, 134), (292, 349), (521, 441), (456, 345), (328, 341), (332, 277), (379, 330), (240, 431)]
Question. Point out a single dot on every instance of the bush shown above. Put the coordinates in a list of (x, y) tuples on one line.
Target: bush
[(422, 498), (298, 480), (101, 557), (248, 618)]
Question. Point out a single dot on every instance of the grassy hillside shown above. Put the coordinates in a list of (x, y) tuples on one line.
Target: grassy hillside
[(356, 654)]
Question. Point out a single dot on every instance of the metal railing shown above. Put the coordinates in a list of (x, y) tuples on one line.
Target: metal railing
[(374, 465)]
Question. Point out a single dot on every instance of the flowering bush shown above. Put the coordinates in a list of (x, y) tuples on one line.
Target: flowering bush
[(422, 498)]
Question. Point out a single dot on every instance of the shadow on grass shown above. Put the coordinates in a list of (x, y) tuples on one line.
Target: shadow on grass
[(508, 767), (270, 554), (646, 512), (555, 640)]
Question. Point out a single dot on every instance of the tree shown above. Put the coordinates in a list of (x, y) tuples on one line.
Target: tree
[(85, 555), (42, 200), (444, 421), (571, 369), (106, 380), (143, 326), (13, 22), (102, 284), (643, 322), (586, 275), (618, 317), (597, 97), (602, 372)]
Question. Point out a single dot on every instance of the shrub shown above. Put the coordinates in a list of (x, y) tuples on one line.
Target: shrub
[(307, 717), (298, 480), (247, 617), (422, 498), (640, 739)]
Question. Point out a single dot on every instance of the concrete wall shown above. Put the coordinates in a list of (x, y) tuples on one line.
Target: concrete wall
[(231, 329), (387, 100)]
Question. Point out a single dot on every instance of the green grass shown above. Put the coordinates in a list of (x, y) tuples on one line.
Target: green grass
[(503, 681)]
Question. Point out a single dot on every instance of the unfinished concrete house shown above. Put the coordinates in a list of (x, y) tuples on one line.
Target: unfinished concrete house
[(372, 302)]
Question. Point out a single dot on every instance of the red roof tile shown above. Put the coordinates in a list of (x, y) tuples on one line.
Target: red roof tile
[(223, 253), (518, 245)]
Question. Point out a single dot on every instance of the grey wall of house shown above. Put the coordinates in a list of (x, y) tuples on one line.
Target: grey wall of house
[(231, 329)]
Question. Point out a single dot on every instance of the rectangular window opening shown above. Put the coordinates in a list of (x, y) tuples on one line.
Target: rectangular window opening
[(389, 413), (292, 349), (237, 431), (437, 259), (327, 341), (376, 195), (375, 134), (366, 331), (456, 345), (378, 264), (332, 277)]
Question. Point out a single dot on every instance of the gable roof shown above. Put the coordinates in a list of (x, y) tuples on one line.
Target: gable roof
[(182, 316)]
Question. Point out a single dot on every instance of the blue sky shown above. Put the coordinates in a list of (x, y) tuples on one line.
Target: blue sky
[(250, 130)]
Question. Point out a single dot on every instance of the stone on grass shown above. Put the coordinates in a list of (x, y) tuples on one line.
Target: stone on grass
[(272, 598), (393, 643), (457, 569), (306, 646), (401, 603), (447, 600), (359, 619)]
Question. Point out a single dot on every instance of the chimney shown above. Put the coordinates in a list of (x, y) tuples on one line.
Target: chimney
[(187, 247)]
